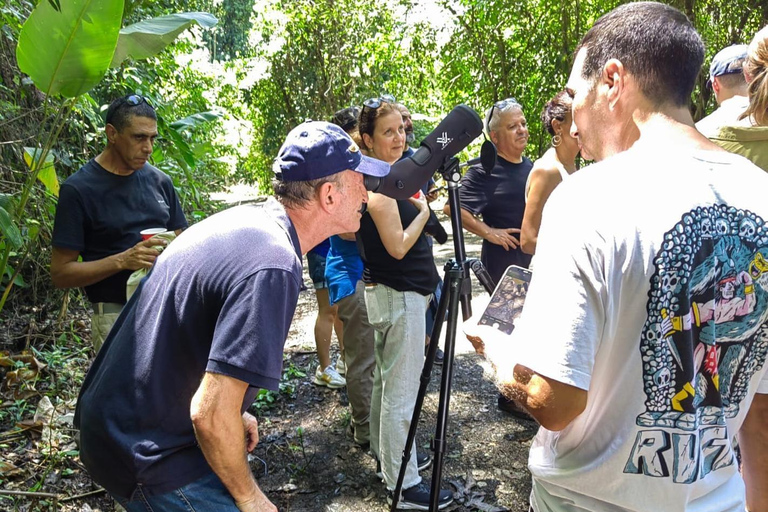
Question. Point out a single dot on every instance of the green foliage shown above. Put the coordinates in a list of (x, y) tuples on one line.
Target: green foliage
[(147, 38), (300, 448), (230, 39), (265, 399), (67, 51), (46, 170)]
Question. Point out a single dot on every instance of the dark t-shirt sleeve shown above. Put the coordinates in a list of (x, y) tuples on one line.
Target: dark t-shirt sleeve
[(252, 327), (69, 223), (177, 219), (472, 193)]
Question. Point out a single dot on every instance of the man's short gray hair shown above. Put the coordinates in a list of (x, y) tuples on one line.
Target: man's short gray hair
[(493, 117), (298, 194)]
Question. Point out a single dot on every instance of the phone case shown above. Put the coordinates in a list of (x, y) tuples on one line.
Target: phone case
[(507, 300)]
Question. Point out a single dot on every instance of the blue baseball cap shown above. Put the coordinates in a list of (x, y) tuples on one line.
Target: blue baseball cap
[(728, 61), (317, 149)]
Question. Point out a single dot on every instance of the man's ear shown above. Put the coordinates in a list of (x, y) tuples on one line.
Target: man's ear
[(716, 84), (328, 196), (614, 78), (111, 133), (494, 137)]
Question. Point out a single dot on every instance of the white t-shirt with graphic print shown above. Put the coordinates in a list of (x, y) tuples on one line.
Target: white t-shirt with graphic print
[(651, 292)]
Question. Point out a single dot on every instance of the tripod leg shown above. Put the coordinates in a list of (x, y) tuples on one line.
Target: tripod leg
[(425, 376), (440, 443)]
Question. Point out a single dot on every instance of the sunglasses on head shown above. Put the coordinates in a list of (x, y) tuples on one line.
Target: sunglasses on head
[(134, 100), (500, 105), (375, 103)]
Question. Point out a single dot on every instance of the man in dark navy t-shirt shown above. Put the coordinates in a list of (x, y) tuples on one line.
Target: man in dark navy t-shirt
[(103, 208), (162, 411), (493, 203)]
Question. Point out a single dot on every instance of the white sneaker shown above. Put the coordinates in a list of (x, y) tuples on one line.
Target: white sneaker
[(330, 378), (341, 366)]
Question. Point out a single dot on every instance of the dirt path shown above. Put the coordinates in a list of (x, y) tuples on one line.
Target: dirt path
[(306, 462)]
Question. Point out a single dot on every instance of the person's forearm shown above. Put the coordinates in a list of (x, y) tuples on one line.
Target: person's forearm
[(221, 437), (474, 225), (529, 231), (414, 230), (398, 243), (552, 403), (76, 274), (753, 441)]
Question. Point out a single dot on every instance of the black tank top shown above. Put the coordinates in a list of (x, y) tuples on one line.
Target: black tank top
[(416, 272)]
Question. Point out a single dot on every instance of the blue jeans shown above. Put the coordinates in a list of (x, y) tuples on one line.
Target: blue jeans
[(206, 494)]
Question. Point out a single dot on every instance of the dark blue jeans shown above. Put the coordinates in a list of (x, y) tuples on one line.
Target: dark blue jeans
[(206, 494)]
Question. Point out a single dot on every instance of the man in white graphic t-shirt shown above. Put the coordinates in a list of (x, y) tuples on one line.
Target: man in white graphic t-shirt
[(640, 389)]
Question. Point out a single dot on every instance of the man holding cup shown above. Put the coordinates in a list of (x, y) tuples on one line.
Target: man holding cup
[(104, 208), (162, 412)]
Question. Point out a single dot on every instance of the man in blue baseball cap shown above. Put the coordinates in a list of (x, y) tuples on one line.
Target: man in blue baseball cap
[(162, 412), (726, 78)]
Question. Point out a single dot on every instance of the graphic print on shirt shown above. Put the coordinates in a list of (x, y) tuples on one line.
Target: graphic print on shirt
[(705, 338)]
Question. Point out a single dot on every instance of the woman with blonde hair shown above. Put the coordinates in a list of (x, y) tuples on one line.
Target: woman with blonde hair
[(750, 137), (756, 73)]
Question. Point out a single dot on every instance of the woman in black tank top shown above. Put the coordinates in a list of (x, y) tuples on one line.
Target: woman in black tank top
[(400, 275)]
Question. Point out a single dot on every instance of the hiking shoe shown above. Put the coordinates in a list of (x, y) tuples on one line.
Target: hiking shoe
[(439, 355), (417, 497), (329, 378), (423, 461), (341, 366)]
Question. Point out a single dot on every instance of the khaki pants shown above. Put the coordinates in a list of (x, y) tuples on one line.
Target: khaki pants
[(358, 355), (103, 318)]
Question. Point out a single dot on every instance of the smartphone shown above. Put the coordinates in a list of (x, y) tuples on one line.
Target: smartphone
[(507, 300)]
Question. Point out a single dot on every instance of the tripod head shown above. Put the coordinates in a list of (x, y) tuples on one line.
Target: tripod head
[(452, 175)]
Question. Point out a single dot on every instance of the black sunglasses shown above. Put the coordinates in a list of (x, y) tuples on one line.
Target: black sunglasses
[(135, 99), (375, 103), (501, 104)]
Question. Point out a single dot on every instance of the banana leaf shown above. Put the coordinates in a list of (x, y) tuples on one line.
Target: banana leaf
[(68, 51), (149, 37)]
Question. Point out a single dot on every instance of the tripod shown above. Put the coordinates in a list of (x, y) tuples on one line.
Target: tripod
[(456, 289)]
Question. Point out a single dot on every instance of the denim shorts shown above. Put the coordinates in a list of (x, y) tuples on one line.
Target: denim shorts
[(317, 270)]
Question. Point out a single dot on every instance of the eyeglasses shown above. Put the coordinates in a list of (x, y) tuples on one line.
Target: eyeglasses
[(375, 103), (134, 100), (501, 105)]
